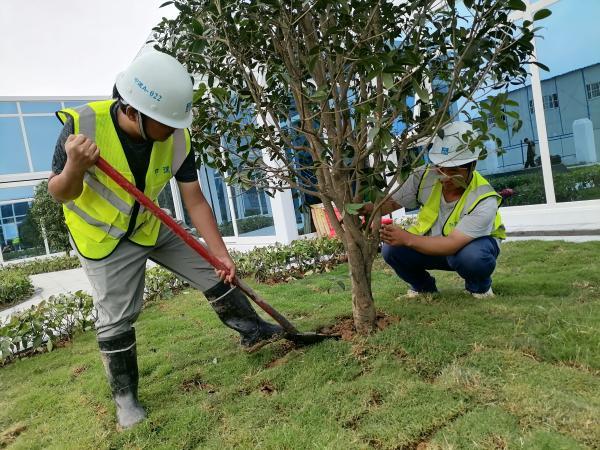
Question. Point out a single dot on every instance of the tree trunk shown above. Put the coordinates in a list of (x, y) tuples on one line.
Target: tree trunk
[(363, 306)]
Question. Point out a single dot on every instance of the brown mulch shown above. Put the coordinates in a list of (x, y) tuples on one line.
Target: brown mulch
[(345, 325)]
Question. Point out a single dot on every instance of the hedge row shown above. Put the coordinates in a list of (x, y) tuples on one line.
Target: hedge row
[(14, 287), (277, 263), (43, 265), (574, 185), (42, 327)]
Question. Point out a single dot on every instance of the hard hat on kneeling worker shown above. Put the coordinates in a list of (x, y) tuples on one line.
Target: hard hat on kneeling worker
[(158, 85), (452, 150)]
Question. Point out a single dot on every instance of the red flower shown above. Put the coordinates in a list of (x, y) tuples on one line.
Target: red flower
[(506, 192)]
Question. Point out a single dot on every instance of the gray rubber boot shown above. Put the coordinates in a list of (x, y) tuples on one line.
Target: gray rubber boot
[(120, 362), (235, 311)]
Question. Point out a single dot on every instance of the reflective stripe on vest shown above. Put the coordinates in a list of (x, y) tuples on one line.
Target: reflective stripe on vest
[(101, 215), (429, 196)]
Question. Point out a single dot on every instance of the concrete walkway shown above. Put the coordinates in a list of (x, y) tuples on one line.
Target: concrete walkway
[(53, 283)]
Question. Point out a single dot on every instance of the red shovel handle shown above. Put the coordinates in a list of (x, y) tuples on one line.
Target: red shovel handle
[(163, 216), (190, 240)]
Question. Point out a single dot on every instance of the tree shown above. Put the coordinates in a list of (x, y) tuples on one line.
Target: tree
[(48, 216), (30, 233), (354, 84)]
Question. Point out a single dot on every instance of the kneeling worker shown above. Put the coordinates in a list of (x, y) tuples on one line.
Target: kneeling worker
[(458, 227)]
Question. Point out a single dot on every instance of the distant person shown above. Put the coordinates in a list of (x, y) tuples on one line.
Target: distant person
[(530, 162)]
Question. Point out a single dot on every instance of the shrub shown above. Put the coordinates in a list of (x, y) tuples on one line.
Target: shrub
[(41, 327), (278, 262), (573, 185), (44, 265), (246, 225), (14, 286), (161, 283)]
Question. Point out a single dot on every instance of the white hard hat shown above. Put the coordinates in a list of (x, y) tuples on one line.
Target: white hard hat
[(452, 151), (157, 85)]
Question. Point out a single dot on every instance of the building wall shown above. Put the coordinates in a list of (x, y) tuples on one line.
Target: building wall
[(573, 104), (28, 133)]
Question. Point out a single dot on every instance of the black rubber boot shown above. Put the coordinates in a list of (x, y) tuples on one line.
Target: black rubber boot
[(235, 311), (120, 362)]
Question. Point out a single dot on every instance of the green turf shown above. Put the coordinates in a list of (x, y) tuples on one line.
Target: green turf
[(520, 370)]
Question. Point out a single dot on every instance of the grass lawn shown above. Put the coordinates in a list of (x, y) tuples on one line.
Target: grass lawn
[(521, 370)]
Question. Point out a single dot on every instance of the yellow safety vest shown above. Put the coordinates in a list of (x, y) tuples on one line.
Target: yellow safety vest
[(99, 218), (430, 196)]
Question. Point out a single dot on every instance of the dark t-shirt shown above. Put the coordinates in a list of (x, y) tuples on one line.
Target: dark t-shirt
[(137, 153)]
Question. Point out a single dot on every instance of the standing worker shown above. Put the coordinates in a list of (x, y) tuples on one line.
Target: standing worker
[(458, 226), (142, 133), (530, 162)]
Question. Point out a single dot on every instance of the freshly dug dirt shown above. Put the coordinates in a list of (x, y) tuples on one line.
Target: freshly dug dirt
[(345, 325)]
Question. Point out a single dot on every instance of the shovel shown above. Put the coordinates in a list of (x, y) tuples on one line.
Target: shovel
[(291, 332)]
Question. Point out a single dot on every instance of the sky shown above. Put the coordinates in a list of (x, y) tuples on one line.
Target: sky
[(70, 48), (570, 37)]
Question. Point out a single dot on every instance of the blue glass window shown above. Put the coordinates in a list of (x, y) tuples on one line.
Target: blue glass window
[(8, 108), (13, 158), (40, 107), (21, 208), (6, 210), (42, 133)]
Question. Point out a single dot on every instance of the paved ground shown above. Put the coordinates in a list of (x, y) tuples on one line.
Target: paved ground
[(47, 284)]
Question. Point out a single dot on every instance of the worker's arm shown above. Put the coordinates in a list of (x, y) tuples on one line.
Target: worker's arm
[(203, 220), (405, 197), (82, 153), (428, 245)]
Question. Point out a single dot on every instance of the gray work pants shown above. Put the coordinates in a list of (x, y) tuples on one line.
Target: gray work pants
[(118, 280)]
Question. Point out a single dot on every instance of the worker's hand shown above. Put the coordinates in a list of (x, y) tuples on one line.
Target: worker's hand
[(394, 236), (226, 275), (82, 152)]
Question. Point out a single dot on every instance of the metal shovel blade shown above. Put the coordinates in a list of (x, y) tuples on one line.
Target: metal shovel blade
[(309, 338)]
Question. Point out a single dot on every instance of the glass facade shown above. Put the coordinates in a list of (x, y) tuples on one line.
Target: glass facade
[(28, 134)]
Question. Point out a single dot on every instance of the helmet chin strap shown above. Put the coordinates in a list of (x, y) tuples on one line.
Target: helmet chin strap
[(140, 123)]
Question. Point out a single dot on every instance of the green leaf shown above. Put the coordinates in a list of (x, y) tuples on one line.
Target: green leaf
[(320, 94), (220, 93), (519, 5), (388, 80), (541, 66), (352, 208), (372, 133), (49, 345), (199, 93), (312, 61), (421, 92), (542, 14)]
